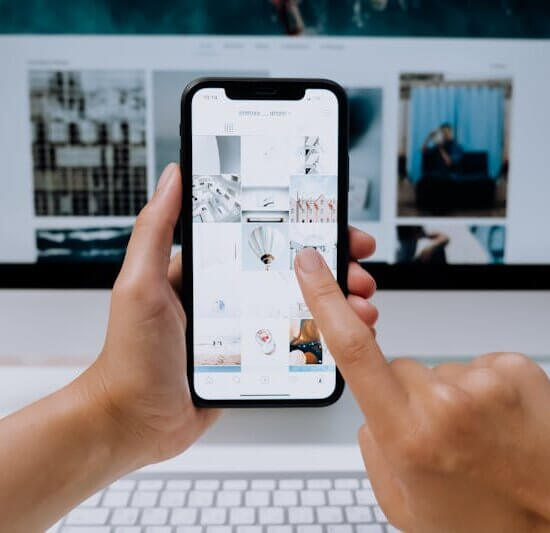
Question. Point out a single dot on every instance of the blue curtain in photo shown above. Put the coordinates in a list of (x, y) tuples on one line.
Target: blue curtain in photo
[(476, 114)]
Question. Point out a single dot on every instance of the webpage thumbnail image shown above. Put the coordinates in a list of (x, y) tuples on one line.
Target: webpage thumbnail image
[(88, 142), (454, 136), (459, 244), (365, 153), (97, 244)]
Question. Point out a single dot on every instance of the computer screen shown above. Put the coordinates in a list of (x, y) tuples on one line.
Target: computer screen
[(448, 148)]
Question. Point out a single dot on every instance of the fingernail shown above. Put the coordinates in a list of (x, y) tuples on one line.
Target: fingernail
[(309, 260), (166, 175)]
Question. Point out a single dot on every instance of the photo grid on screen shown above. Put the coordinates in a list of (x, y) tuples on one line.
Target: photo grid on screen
[(257, 201)]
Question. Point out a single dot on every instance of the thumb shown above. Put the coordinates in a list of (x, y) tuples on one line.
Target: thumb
[(148, 253)]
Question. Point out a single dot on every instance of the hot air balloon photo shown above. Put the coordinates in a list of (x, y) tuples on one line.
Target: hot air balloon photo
[(266, 247)]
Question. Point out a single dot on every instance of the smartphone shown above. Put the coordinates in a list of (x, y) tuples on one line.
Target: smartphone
[(265, 174)]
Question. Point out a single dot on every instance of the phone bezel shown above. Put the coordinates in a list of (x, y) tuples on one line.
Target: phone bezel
[(255, 86)]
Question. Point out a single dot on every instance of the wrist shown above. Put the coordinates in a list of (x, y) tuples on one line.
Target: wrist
[(113, 432)]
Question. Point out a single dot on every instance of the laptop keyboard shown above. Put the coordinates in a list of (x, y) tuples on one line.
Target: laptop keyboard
[(325, 502)]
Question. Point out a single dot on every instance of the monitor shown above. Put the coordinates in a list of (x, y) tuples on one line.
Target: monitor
[(448, 160)]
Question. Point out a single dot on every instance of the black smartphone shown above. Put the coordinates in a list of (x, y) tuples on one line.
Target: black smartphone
[(265, 174)]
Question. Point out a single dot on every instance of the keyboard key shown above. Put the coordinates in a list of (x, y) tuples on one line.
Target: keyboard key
[(340, 528), (322, 484), (183, 517), (366, 483), (340, 497), (200, 498), (310, 529), (330, 515), (189, 529), (379, 514), (235, 484), (158, 529), (154, 516), (256, 498), (178, 484), (392, 529), (151, 484), (116, 498), (124, 517), (228, 498), (312, 497), (300, 515), (128, 529), (279, 529), (368, 528), (92, 501), (218, 529), (271, 515), (365, 497), (285, 498), (249, 529), (172, 498), (291, 484), (214, 516), (241, 515), (123, 484), (207, 484), (144, 499), (87, 516), (262, 484), (347, 483), (358, 515), (86, 529)]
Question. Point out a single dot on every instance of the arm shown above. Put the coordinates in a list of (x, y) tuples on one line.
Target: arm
[(132, 407), (439, 442), (438, 241), (428, 139), (445, 156)]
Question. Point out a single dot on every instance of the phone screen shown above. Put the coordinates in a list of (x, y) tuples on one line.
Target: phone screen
[(264, 186)]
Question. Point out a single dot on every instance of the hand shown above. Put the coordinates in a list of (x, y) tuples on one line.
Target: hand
[(140, 377), (361, 285), (457, 448)]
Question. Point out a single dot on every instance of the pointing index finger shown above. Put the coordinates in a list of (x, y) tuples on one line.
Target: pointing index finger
[(352, 344)]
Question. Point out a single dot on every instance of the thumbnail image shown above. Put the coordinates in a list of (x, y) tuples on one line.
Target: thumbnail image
[(265, 294), (88, 142), (365, 153), (264, 344), (265, 246), (216, 178), (220, 247), (167, 88), (454, 136), (322, 237), (451, 244), (268, 161), (217, 343), (217, 292), (305, 343), (313, 199), (82, 244), (320, 156)]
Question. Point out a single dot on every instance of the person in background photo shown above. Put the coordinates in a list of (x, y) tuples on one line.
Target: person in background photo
[(433, 252), (448, 153)]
